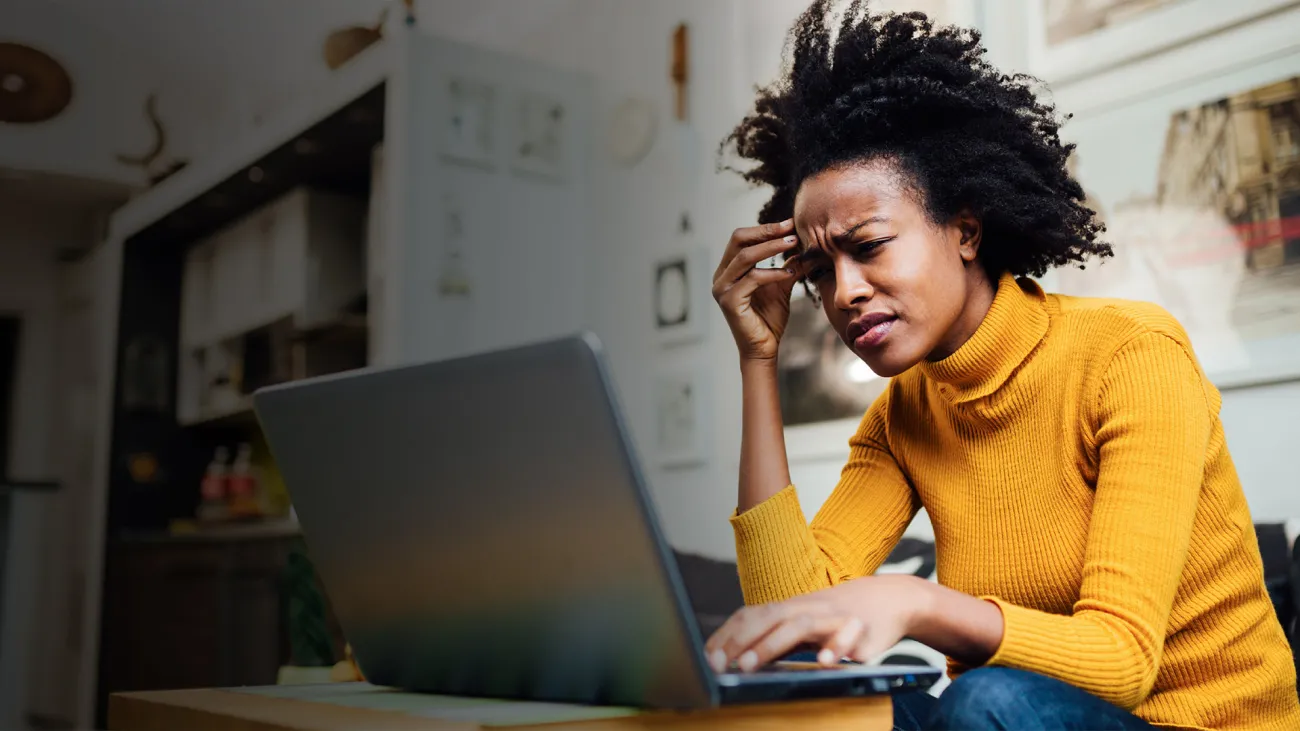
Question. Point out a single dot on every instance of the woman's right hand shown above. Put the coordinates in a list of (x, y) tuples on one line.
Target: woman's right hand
[(756, 302)]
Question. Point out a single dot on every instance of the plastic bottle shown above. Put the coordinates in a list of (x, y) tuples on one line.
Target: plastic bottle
[(243, 485), (214, 487)]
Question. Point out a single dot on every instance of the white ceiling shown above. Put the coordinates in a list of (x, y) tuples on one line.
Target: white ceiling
[(217, 63), (256, 42)]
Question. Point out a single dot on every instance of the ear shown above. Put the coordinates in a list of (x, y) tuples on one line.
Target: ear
[(969, 232)]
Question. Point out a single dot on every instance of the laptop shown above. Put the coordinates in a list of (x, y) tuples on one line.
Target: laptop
[(482, 528)]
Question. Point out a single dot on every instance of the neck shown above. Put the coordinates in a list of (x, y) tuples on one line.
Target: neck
[(979, 297)]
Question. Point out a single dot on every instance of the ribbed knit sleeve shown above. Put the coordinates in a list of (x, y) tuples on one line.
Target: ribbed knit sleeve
[(779, 555), (1152, 424)]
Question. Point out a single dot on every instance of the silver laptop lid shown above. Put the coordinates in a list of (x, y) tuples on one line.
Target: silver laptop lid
[(482, 528)]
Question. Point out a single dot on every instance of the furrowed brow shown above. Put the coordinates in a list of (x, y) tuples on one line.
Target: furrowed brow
[(841, 239)]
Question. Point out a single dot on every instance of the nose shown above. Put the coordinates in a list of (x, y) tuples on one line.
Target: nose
[(851, 285)]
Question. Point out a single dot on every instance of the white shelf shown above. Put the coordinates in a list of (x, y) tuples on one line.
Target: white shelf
[(369, 69), (291, 266)]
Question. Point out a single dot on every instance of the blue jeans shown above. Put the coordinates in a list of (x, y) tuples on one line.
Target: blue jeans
[(1003, 698)]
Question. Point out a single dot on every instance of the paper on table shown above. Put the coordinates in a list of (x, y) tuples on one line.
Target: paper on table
[(483, 711)]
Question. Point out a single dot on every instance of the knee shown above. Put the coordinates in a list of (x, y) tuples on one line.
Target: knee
[(986, 698)]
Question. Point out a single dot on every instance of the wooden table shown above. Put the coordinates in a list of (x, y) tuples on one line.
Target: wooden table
[(353, 706)]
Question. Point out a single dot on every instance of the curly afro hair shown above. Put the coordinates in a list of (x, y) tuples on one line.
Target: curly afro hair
[(965, 136)]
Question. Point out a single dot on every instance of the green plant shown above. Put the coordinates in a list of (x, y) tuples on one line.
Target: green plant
[(310, 643)]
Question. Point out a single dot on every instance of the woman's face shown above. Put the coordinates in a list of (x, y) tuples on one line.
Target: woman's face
[(895, 286)]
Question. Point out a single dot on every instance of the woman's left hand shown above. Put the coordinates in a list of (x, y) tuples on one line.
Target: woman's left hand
[(858, 620)]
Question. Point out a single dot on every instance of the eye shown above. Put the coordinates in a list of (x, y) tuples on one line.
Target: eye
[(816, 274), (871, 246)]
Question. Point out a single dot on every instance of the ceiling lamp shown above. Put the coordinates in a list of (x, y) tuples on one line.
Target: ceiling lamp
[(33, 86)]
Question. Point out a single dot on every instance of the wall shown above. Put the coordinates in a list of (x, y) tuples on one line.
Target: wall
[(1261, 426), (640, 225), (38, 632), (28, 287), (27, 279)]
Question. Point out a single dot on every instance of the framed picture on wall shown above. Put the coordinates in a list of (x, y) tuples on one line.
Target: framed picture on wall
[(681, 286), (1065, 20), (1199, 188), (1073, 39), (679, 398)]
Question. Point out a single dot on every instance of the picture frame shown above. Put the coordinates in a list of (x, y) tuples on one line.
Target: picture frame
[(680, 416), (1153, 28), (681, 296), (468, 134), (1199, 187), (539, 137)]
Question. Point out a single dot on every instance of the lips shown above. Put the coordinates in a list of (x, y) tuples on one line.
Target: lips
[(870, 329)]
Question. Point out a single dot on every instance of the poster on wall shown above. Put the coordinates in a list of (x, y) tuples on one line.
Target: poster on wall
[(1070, 40), (820, 378), (1206, 220), (679, 395)]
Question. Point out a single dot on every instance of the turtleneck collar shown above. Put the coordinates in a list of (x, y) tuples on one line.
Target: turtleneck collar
[(1014, 325)]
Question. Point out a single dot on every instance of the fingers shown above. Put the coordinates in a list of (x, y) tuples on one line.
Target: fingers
[(753, 281), (871, 646), (786, 636), (756, 279), (748, 236), (750, 256), (758, 635), (744, 263), (843, 643), (739, 632)]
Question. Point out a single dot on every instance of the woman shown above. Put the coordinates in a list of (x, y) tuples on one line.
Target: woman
[(1096, 557)]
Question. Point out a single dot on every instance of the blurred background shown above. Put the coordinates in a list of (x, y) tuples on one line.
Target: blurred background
[(199, 198)]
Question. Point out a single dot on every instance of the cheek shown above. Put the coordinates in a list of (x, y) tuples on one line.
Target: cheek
[(838, 320), (914, 273), (920, 261), (928, 281)]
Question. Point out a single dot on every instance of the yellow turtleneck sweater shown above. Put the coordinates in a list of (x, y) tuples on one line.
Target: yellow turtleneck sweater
[(1072, 462)]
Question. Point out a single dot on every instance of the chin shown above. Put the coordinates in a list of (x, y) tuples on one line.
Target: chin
[(886, 367), (891, 360)]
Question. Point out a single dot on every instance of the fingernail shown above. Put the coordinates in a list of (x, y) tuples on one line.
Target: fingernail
[(787, 222), (826, 657), (789, 270), (748, 661), (718, 660), (789, 239)]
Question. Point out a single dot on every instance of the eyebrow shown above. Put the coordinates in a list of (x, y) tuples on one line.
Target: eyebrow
[(841, 239)]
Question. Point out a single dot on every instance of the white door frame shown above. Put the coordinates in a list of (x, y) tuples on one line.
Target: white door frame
[(108, 295)]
